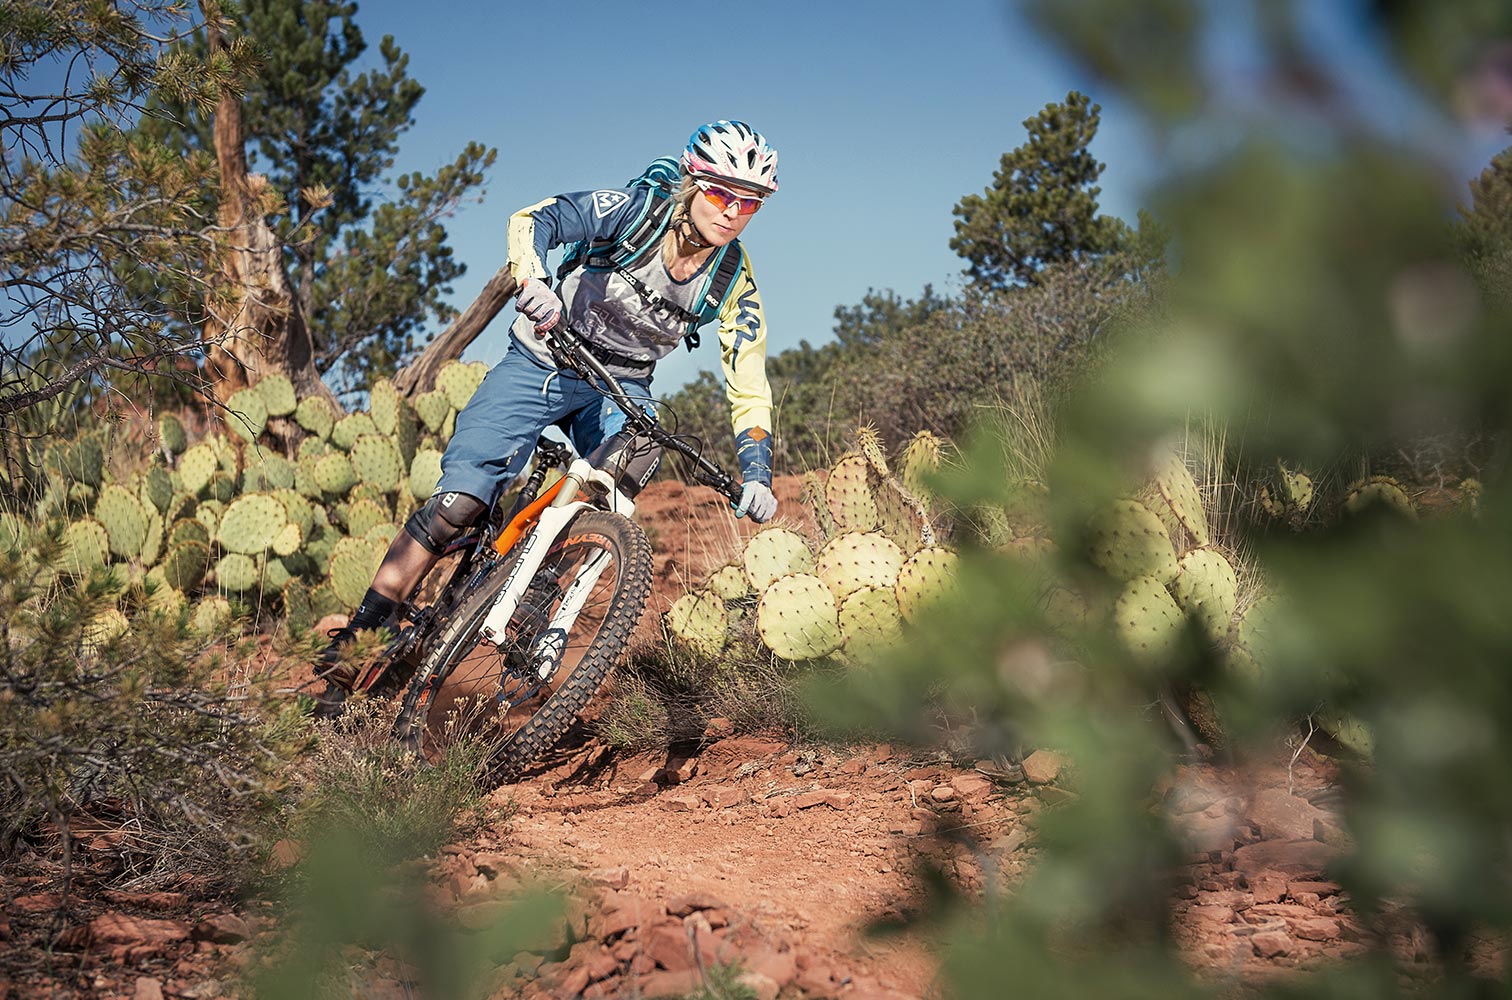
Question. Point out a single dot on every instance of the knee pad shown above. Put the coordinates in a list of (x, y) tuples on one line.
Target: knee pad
[(630, 459), (442, 518)]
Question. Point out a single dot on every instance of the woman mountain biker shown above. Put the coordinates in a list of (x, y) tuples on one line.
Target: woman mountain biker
[(629, 317)]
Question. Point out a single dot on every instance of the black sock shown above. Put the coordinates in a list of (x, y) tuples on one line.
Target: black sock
[(374, 611)]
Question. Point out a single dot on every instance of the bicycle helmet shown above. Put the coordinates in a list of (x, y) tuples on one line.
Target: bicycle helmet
[(734, 152)]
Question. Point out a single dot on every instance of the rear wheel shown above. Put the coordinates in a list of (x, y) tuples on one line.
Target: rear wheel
[(567, 633)]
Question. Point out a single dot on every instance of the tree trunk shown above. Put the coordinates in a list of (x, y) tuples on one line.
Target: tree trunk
[(255, 326), (420, 375)]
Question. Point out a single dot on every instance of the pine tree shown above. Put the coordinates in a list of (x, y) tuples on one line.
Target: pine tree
[(1485, 226), (1041, 208)]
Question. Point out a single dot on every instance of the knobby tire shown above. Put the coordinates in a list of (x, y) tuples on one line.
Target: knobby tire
[(594, 642)]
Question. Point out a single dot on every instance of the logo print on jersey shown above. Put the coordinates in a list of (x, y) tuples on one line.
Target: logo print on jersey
[(605, 202)]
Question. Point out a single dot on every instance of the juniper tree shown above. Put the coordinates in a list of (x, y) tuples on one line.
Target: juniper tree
[(1041, 208), (365, 270)]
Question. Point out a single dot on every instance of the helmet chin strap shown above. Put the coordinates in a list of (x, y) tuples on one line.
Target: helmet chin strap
[(688, 233)]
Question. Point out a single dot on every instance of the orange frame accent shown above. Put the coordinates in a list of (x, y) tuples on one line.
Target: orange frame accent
[(524, 519)]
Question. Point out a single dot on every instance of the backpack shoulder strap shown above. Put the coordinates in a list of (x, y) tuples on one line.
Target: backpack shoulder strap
[(716, 289)]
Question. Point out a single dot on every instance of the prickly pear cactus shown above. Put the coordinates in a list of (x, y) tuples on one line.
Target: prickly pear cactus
[(86, 545), (797, 618), (1379, 490), (247, 414), (433, 408), (156, 489), (363, 516), (212, 617), (774, 553), (857, 560), (172, 435), (124, 519), (849, 495), (187, 529), (383, 406), (353, 563), (699, 619), (424, 473), (921, 459), (729, 582), (459, 380), (376, 461), (1174, 483), (870, 623), (1147, 620), (333, 474), (351, 427), (1207, 589), (926, 578), (316, 415), (196, 466), (277, 394), (812, 496), (236, 573), (185, 565), (1127, 541), (250, 524)]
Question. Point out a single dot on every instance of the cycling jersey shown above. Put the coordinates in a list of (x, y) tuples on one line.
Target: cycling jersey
[(609, 312)]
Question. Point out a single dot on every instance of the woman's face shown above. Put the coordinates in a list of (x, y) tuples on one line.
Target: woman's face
[(719, 226)]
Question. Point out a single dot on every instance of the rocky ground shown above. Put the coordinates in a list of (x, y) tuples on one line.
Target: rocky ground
[(744, 853)]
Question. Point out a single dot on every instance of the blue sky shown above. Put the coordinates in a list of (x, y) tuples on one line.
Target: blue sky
[(884, 114)]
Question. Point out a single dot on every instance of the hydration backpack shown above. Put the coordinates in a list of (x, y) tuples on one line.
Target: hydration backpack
[(662, 178)]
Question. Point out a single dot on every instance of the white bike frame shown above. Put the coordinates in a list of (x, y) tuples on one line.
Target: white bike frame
[(531, 552)]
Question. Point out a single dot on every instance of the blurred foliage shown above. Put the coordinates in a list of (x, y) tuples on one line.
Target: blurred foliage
[(369, 270), (1321, 312)]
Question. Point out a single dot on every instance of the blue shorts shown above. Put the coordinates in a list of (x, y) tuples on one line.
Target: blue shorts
[(519, 398)]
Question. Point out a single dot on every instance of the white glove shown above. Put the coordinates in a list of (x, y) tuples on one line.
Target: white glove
[(758, 501), (539, 303)]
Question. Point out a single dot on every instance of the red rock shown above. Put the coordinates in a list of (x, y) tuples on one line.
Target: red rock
[(1279, 815), (286, 854), (601, 964), (684, 982), (781, 967), (1232, 898), (718, 728), (1317, 887), (648, 775), (1316, 929), (853, 766), (1204, 833), (1042, 767), (222, 928), (492, 865), (1212, 914), (724, 796), (762, 986), (942, 793), (148, 988), (1270, 944), (682, 802), (118, 928), (613, 878), (807, 800), (681, 906), (779, 808), (148, 900), (1268, 886), (5, 934), (573, 983), (1294, 857), (972, 787), (839, 800), (668, 946)]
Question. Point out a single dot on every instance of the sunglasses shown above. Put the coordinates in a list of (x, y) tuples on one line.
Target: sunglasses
[(722, 198)]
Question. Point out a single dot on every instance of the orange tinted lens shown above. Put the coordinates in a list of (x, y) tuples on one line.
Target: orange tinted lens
[(723, 198)]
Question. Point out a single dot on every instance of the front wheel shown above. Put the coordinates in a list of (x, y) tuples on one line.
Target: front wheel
[(566, 634)]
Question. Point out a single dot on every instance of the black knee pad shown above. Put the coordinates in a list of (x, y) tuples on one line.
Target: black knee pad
[(442, 518), (631, 459)]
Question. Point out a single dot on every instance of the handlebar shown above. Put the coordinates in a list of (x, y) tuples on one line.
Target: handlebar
[(568, 350)]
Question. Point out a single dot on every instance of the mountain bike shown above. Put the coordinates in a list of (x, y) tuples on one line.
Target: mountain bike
[(535, 608)]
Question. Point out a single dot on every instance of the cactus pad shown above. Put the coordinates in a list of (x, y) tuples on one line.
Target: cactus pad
[(187, 529), (433, 408), (729, 582), (172, 435), (1128, 541), (1379, 490), (86, 545), (773, 553), (236, 572), (927, 577), (849, 495), (277, 394), (124, 519), (383, 406), (185, 565), (1065, 609), (870, 622), (870, 443), (84, 461), (699, 620), (921, 459), (855, 560), (363, 516), (459, 380), (212, 618), (349, 428), (1207, 589), (1174, 483), (376, 461), (333, 474), (196, 466), (251, 523), (297, 508), (246, 414), (1147, 620), (424, 473), (288, 540), (316, 415), (354, 561), (797, 618), (157, 488)]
